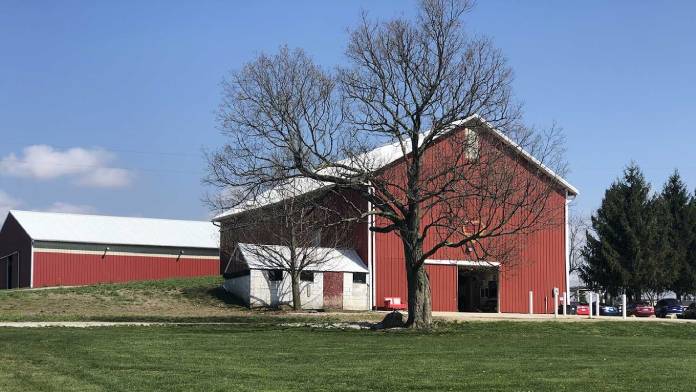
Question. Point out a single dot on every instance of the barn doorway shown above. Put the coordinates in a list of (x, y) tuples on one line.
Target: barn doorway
[(477, 289), (9, 271)]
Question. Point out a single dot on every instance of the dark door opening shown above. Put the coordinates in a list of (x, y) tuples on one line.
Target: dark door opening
[(478, 289), (9, 271)]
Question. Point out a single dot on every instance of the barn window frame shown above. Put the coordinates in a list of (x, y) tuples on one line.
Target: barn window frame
[(360, 277), (307, 276), (275, 275), (473, 144)]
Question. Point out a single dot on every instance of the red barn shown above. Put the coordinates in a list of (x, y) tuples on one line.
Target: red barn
[(40, 249), (458, 283)]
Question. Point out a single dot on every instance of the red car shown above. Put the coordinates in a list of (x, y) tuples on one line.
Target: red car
[(583, 310), (640, 309)]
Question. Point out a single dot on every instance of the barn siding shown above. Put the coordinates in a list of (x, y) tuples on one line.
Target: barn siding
[(443, 281), (538, 263), (540, 268), (68, 269), (391, 278)]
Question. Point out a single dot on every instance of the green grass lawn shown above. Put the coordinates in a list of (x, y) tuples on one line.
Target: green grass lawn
[(491, 356)]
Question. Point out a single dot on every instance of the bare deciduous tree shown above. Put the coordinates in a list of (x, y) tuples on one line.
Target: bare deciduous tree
[(420, 89), (577, 233)]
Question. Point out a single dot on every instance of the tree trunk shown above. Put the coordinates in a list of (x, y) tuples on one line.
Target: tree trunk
[(419, 299), (419, 302), (296, 296)]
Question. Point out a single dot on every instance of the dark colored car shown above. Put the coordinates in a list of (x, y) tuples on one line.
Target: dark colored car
[(607, 310), (690, 312), (640, 309), (571, 308), (668, 307)]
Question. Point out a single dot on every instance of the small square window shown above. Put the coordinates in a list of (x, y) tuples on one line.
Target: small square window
[(307, 276), (275, 275), (359, 277)]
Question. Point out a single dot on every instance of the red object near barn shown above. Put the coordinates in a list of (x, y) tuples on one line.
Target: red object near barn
[(583, 310), (394, 303), (39, 249)]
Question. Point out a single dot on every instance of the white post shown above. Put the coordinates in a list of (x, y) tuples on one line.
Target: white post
[(623, 305), (598, 299), (591, 295), (565, 303), (567, 247), (555, 303), (531, 302)]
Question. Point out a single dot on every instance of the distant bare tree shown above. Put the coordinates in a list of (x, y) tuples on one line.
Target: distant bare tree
[(413, 85), (577, 232)]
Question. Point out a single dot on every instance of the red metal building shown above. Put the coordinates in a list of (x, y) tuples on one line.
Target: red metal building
[(459, 283), (39, 249)]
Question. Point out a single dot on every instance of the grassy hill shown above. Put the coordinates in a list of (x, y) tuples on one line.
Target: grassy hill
[(197, 299), (175, 298)]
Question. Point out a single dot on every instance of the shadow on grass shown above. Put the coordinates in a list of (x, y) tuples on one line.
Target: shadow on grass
[(213, 296)]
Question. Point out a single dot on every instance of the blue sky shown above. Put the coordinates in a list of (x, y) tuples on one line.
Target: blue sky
[(106, 106)]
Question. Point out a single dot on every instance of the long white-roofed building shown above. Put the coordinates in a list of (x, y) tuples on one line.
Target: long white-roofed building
[(42, 249)]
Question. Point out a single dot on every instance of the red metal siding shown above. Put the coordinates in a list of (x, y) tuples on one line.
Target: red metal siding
[(443, 286), (391, 276), (349, 203), (540, 268), (66, 269), (538, 263)]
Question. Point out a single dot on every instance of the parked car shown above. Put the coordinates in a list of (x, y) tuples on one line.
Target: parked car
[(640, 309), (571, 308), (690, 312), (607, 310), (582, 309), (668, 307)]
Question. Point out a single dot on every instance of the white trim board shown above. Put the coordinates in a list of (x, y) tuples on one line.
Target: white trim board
[(111, 253), (465, 263), (31, 266)]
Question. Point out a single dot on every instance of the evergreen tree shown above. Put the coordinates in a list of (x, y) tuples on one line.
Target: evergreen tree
[(676, 226), (620, 253)]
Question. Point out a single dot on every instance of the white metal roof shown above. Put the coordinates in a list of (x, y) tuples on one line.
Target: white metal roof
[(383, 156), (61, 227), (339, 260)]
